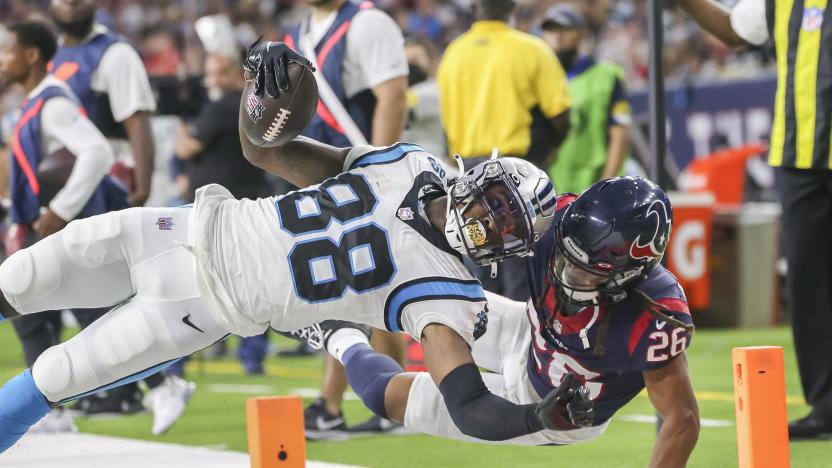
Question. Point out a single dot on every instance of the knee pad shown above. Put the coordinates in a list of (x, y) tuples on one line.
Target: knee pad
[(16, 273), (52, 373), (94, 242), (28, 275), (119, 341)]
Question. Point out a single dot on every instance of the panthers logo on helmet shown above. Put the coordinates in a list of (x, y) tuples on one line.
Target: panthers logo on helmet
[(655, 247)]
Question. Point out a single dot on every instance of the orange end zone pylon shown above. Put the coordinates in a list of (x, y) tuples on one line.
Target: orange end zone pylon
[(275, 432), (760, 400)]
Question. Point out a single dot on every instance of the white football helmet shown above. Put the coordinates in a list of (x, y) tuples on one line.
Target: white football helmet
[(498, 209)]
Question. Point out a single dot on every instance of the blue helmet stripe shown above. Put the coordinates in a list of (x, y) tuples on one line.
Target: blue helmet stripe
[(548, 188)]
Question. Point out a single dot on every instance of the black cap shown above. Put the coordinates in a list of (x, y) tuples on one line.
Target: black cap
[(563, 16)]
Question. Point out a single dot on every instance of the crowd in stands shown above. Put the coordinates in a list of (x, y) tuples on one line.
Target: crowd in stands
[(164, 31)]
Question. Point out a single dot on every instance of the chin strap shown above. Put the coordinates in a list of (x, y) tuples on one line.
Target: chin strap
[(493, 269), (459, 164)]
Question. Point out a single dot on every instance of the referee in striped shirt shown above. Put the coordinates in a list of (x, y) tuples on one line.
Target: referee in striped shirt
[(801, 146)]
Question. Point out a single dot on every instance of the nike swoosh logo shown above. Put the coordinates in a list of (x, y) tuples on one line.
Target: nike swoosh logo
[(325, 425), (187, 321), (661, 324)]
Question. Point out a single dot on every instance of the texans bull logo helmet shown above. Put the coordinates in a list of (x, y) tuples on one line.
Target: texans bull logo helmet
[(611, 236)]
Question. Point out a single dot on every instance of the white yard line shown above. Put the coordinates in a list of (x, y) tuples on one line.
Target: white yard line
[(267, 390), (94, 451), (651, 419)]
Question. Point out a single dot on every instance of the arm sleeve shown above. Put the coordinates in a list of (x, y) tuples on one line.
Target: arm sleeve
[(550, 85), (481, 414), (121, 74), (379, 44), (63, 122), (748, 18)]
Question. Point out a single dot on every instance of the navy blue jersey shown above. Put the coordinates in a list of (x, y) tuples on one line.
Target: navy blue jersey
[(635, 341)]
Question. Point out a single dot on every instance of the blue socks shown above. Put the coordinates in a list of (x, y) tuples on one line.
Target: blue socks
[(369, 372), (21, 406)]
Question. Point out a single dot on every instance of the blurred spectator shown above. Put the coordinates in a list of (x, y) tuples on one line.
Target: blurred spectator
[(424, 123), (490, 80), (423, 22), (616, 30), (108, 77), (598, 140), (210, 145), (161, 56)]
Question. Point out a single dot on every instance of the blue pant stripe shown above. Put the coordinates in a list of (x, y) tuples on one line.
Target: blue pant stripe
[(126, 380)]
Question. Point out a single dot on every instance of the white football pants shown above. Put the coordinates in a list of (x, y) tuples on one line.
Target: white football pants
[(133, 260), (503, 350)]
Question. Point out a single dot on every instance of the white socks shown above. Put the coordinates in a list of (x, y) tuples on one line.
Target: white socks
[(342, 340)]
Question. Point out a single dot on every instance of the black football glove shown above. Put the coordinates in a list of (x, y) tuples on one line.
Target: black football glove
[(580, 408), (566, 407), (269, 62)]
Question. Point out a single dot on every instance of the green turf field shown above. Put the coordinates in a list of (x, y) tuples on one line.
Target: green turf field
[(217, 418)]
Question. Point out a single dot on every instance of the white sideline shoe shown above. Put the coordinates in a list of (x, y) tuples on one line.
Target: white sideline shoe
[(57, 420), (168, 402)]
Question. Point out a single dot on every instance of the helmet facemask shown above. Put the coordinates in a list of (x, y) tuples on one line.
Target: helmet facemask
[(579, 285), (487, 219)]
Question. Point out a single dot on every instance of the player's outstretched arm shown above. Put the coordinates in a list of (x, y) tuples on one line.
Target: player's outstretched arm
[(302, 161), (671, 393), (475, 411), (473, 408)]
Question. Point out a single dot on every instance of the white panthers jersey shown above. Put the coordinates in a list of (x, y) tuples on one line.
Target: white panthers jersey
[(356, 247)]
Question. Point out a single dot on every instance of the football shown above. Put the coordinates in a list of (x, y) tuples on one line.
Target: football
[(272, 122), (53, 172)]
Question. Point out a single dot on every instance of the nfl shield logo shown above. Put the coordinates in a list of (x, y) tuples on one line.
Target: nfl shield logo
[(812, 19), (405, 214), (254, 108), (558, 327), (165, 224)]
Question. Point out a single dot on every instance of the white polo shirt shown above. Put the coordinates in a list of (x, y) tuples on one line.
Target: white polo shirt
[(375, 49), (121, 74), (748, 19), (63, 126)]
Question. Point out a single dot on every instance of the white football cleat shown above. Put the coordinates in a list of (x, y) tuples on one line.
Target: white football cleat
[(168, 402), (57, 420)]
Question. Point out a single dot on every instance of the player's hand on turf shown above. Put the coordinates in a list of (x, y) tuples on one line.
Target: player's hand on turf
[(48, 223), (267, 63), (554, 411)]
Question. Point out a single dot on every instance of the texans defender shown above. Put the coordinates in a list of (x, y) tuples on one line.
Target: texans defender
[(381, 243), (605, 320)]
